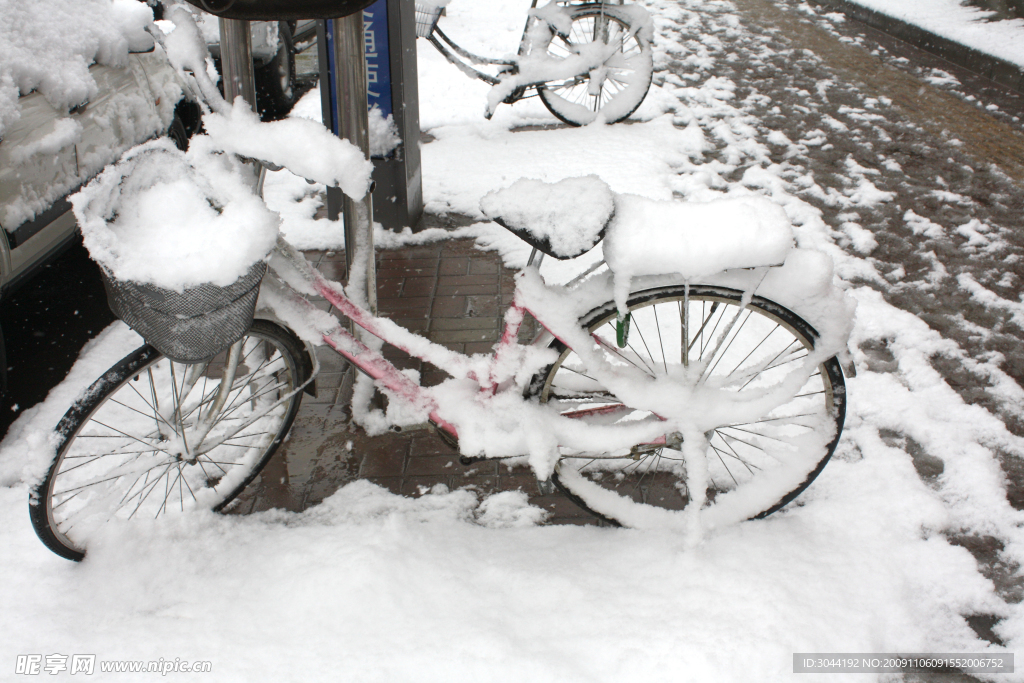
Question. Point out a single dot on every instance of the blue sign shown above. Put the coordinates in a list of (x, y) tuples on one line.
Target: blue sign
[(378, 66)]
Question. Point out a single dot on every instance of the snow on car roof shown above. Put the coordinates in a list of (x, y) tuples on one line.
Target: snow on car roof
[(48, 45)]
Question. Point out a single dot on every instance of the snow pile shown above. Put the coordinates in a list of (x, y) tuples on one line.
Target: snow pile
[(383, 133), (467, 162), (856, 570), (48, 45), (65, 132), (300, 145), (299, 201), (693, 239), (569, 216), (174, 219), (220, 227)]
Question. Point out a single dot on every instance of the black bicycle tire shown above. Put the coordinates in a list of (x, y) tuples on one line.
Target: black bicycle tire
[(831, 368), (272, 99), (107, 385), (645, 46)]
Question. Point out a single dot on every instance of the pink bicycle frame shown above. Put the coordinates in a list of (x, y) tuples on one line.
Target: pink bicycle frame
[(374, 364)]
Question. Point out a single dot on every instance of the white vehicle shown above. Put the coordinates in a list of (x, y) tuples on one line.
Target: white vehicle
[(47, 153)]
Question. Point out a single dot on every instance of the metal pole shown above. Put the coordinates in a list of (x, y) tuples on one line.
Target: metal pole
[(350, 69), (236, 61)]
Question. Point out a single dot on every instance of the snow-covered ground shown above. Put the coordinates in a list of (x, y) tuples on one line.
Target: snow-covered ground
[(372, 587), (956, 20)]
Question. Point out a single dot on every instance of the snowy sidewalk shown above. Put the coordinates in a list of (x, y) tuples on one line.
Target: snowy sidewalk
[(455, 294), (911, 540)]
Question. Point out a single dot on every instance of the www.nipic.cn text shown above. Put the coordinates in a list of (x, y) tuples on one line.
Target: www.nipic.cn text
[(35, 665)]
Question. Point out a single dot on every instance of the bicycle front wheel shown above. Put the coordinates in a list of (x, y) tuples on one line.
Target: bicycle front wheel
[(153, 437), (618, 86), (755, 466)]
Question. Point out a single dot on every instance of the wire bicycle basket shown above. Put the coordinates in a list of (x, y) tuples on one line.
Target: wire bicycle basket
[(191, 312), (189, 326), (426, 19)]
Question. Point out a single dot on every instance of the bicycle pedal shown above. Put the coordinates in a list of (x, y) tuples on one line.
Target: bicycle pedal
[(467, 460)]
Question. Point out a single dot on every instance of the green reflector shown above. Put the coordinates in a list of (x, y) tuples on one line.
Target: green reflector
[(622, 331)]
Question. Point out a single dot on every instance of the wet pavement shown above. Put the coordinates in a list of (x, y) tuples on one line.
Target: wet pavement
[(453, 294)]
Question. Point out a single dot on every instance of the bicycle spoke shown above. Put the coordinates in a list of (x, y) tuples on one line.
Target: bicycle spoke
[(127, 436), (168, 485), (156, 402), (772, 364), (612, 348), (747, 357), (651, 464), (154, 406), (575, 371), (104, 480), (150, 490), (65, 470), (736, 341), (125, 498), (742, 461), (749, 431), (720, 353), (66, 500), (214, 462), (705, 319), (722, 460), (95, 456), (181, 497), (136, 410), (661, 342), (649, 354)]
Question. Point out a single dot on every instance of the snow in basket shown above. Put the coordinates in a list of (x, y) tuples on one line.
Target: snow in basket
[(181, 239)]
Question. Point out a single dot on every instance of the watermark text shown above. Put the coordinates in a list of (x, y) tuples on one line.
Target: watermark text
[(41, 665)]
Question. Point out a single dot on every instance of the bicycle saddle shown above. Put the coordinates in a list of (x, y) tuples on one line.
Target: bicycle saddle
[(563, 219)]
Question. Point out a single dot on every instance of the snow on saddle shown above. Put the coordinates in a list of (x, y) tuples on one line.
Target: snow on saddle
[(563, 219), (642, 236)]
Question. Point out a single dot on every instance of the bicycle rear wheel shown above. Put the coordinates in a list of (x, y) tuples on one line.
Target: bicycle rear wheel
[(755, 466), (615, 89), (128, 449)]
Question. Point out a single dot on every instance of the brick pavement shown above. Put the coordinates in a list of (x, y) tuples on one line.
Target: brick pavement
[(455, 295)]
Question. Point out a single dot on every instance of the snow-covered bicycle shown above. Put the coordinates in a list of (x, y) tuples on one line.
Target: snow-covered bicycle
[(689, 378), (669, 376), (582, 59)]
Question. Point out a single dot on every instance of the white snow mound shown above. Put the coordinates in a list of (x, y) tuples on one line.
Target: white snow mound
[(175, 220), (693, 239), (568, 215), (48, 45)]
